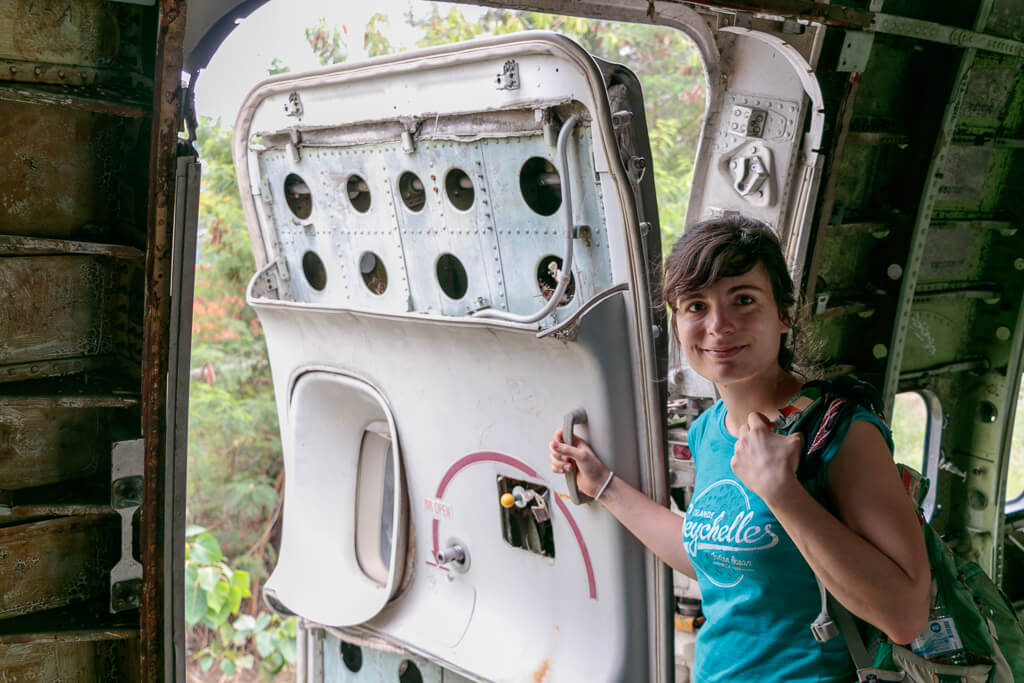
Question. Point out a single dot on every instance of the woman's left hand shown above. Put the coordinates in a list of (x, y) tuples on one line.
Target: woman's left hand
[(764, 461)]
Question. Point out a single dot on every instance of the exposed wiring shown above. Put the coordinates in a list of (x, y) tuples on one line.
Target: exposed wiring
[(565, 272)]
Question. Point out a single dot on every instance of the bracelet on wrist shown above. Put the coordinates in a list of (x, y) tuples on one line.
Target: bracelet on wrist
[(604, 485)]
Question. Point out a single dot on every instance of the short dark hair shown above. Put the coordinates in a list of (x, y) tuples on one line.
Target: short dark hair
[(728, 246)]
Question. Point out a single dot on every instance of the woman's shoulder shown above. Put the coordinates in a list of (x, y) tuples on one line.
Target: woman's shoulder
[(705, 422)]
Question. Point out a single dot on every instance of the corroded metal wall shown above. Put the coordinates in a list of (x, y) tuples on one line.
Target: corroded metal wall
[(84, 196)]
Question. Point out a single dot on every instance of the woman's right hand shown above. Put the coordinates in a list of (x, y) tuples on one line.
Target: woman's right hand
[(591, 473)]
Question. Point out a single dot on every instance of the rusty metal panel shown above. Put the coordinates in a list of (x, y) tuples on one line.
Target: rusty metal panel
[(49, 445), (62, 170), (70, 661), (55, 307), (83, 32), (158, 631), (54, 563)]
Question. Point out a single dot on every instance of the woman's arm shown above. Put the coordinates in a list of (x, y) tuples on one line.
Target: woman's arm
[(654, 525), (872, 559)]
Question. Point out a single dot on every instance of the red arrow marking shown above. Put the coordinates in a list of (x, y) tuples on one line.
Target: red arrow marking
[(488, 456)]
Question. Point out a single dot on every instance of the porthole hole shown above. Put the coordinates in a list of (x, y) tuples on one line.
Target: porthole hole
[(541, 186), (987, 412), (547, 279), (298, 196), (408, 672), (451, 275), (410, 188), (358, 193), (375, 275), (351, 656), (459, 188), (313, 269)]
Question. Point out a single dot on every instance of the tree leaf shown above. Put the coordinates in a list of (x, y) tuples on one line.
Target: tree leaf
[(216, 597), (264, 644), (262, 621), (287, 648), (274, 663), (208, 577), (241, 579), (195, 596), (245, 623), (234, 598), (228, 667), (245, 661), (193, 530), (206, 664), (205, 549)]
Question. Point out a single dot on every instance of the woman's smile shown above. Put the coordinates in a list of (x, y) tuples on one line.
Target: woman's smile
[(724, 352)]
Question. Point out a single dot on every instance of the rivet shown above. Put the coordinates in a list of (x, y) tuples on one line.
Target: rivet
[(1003, 333), (1018, 264), (879, 351), (60, 74), (895, 271)]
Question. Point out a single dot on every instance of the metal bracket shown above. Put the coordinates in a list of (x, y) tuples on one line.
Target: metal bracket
[(747, 121), (126, 491), (508, 79), (856, 51), (293, 107)]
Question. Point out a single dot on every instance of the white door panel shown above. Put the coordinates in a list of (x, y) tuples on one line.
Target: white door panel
[(462, 422), (369, 294)]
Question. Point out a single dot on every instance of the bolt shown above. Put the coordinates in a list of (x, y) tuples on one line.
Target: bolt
[(60, 74), (1003, 333), (1018, 264), (879, 351), (895, 271)]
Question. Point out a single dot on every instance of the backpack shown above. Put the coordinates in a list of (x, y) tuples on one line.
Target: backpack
[(971, 623)]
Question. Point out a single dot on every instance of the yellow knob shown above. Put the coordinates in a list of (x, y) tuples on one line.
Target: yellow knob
[(507, 500)]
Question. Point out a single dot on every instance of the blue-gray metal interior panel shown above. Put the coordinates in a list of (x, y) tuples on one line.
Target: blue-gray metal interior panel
[(525, 237), (441, 228), (499, 239), (336, 231)]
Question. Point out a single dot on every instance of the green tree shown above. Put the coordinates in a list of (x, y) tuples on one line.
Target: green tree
[(327, 43), (234, 450)]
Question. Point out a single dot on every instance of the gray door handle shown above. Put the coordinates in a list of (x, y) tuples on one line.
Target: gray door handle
[(578, 416)]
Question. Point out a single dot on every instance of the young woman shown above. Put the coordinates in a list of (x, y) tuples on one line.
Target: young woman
[(753, 537)]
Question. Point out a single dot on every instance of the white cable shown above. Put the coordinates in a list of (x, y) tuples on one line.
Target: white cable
[(565, 272)]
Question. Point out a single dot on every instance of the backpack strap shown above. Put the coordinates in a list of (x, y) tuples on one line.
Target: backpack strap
[(816, 412)]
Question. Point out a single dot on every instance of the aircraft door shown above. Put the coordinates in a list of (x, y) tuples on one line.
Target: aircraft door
[(450, 263)]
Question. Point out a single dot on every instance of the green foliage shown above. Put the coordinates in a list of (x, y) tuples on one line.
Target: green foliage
[(375, 42), (234, 450), (277, 66), (327, 43), (213, 600)]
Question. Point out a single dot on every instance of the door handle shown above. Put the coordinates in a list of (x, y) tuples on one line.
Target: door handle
[(578, 416)]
